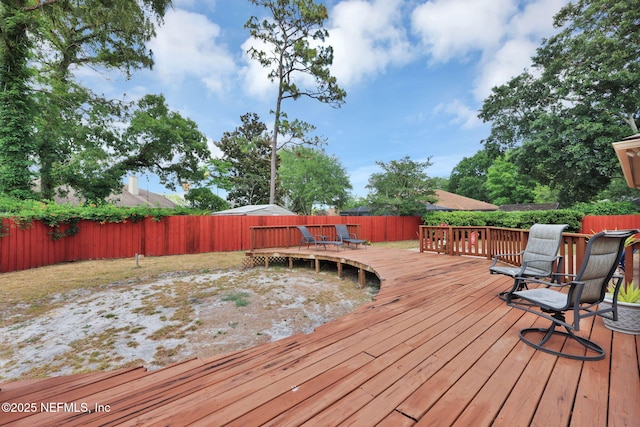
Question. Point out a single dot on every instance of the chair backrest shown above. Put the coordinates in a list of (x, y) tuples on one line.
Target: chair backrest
[(600, 262), (542, 246), (308, 237), (343, 231)]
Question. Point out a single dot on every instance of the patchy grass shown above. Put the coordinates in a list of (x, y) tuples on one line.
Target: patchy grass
[(401, 244), (239, 298), (182, 292), (38, 290)]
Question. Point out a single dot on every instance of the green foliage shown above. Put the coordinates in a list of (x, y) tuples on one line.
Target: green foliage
[(581, 95), (204, 199), (244, 167), (163, 142), (64, 219), (606, 208), (544, 194), (629, 293), (71, 135), (522, 220), (310, 177), (618, 190), (238, 298), (16, 107), (468, 178), (403, 188), (506, 185)]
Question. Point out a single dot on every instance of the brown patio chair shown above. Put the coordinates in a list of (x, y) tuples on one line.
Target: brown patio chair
[(580, 296), (539, 259)]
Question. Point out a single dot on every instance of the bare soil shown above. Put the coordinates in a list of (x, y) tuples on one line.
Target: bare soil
[(171, 317)]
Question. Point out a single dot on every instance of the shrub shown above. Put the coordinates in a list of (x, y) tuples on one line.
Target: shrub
[(522, 220), (606, 208)]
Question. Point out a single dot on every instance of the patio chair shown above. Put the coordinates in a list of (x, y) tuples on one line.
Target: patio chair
[(309, 239), (538, 259), (349, 238), (580, 296)]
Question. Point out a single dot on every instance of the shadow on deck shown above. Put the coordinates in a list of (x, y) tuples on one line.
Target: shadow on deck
[(436, 347)]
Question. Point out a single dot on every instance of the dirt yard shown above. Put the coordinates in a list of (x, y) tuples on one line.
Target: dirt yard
[(170, 317)]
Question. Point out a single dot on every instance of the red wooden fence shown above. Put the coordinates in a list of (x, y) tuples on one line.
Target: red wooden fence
[(33, 247), (596, 224)]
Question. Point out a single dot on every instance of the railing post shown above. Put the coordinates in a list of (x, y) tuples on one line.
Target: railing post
[(487, 243)]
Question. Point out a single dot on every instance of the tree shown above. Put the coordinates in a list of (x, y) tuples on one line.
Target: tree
[(403, 188), (70, 123), (505, 185), (16, 147), (469, 177), (157, 140), (243, 169), (204, 199), (289, 55), (311, 177), (583, 94)]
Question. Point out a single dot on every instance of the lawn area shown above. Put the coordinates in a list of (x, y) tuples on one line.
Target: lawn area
[(106, 314)]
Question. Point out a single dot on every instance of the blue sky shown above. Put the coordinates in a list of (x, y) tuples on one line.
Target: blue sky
[(416, 73)]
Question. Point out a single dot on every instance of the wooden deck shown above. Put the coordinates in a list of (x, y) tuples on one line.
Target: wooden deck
[(436, 347)]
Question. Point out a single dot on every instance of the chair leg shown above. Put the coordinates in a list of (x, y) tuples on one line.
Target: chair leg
[(588, 345), (518, 285)]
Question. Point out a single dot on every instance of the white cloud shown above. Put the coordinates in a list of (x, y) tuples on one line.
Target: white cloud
[(367, 37), (254, 75), (536, 20), (524, 32), (502, 65), (187, 47), (462, 114), (504, 34), (453, 28)]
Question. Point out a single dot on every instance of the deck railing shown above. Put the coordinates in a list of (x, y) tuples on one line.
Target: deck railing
[(289, 235), (490, 241)]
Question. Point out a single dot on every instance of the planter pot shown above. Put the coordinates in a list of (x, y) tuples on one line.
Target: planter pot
[(628, 318)]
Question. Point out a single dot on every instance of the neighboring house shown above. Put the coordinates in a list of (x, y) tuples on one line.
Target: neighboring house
[(130, 196), (454, 202), (529, 207), (447, 202), (256, 210)]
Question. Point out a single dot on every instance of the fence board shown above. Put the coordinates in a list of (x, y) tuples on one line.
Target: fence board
[(596, 224), (32, 247)]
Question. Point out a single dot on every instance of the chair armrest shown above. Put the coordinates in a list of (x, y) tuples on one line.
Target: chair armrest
[(546, 283), (497, 257)]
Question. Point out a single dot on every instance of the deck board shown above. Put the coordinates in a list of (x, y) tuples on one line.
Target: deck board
[(435, 347)]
